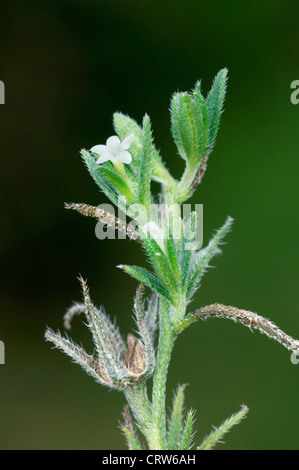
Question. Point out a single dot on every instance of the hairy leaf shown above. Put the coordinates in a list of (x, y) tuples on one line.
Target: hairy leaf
[(214, 101), (176, 419), (145, 277), (211, 440)]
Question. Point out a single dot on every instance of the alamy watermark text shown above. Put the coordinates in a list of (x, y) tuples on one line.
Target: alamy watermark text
[(2, 92), (2, 353), (295, 95)]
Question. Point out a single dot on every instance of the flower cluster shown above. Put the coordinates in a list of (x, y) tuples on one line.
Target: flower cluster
[(114, 150)]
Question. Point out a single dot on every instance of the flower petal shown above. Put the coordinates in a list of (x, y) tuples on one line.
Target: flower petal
[(124, 157), (126, 143), (104, 158), (113, 143), (99, 149)]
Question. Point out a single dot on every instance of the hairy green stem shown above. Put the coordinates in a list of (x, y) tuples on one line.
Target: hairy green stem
[(183, 190), (166, 341), (139, 403)]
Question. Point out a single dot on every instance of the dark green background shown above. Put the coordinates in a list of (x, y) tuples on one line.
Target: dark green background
[(67, 67)]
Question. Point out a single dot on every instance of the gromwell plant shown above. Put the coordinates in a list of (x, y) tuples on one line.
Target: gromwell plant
[(123, 169)]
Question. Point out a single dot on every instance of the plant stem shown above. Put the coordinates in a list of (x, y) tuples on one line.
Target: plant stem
[(139, 403), (184, 190), (166, 341)]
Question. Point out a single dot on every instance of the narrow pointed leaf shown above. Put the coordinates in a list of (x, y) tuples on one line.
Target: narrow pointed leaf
[(159, 260), (214, 101), (176, 419), (185, 252), (145, 165), (202, 258), (107, 352), (76, 353), (186, 440), (125, 126), (172, 248), (104, 184), (116, 181), (189, 130), (132, 442), (203, 108), (211, 440), (145, 277)]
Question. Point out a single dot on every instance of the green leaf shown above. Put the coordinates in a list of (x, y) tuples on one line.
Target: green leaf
[(211, 440), (94, 170), (128, 429), (189, 126), (132, 442), (118, 182), (111, 180), (186, 440), (201, 102), (125, 126), (159, 260), (199, 98), (145, 165), (176, 420), (145, 277), (202, 258), (214, 101), (185, 251), (172, 249)]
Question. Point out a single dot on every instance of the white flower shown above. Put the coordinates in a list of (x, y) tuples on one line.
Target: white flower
[(114, 149), (155, 232)]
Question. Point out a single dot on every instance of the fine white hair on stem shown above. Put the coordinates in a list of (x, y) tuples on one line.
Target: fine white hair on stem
[(74, 351), (75, 309), (109, 219), (151, 313), (251, 320), (215, 436)]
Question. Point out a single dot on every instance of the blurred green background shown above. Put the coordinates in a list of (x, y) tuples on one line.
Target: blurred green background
[(67, 66)]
